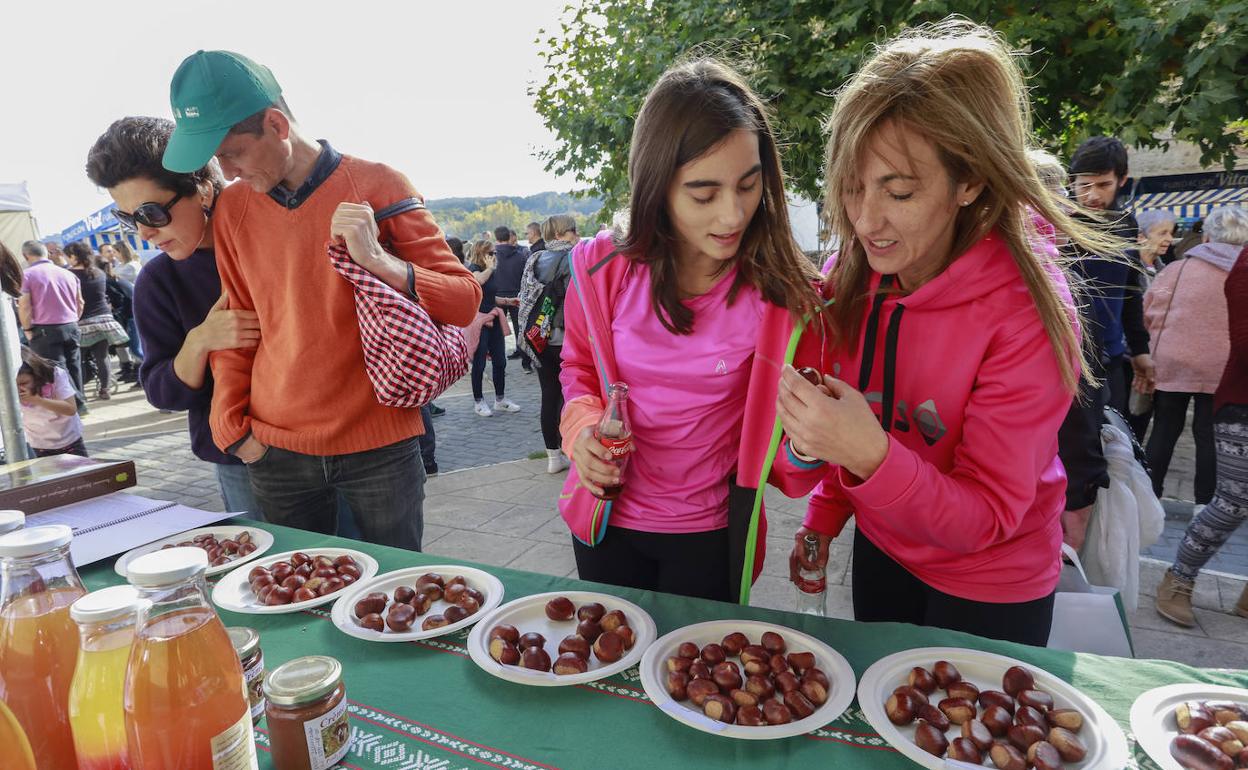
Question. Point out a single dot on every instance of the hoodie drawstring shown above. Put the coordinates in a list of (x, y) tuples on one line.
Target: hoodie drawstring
[(890, 351)]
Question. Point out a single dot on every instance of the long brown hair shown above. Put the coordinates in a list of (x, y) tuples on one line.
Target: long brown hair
[(957, 84), (10, 272), (692, 108), (42, 371)]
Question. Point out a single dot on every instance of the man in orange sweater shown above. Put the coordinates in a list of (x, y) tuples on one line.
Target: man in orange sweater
[(300, 409)]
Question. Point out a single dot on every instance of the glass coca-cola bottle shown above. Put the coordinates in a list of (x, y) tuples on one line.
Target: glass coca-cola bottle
[(616, 433), (812, 584)]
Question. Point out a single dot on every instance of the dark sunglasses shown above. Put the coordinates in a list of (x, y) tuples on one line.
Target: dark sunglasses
[(148, 214)]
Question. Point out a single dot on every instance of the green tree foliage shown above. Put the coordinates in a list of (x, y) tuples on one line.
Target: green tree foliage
[(469, 218), (1130, 67)]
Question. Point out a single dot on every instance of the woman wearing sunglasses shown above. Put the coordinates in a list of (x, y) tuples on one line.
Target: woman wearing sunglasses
[(178, 305)]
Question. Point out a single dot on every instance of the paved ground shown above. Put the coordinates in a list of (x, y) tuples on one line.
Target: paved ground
[(491, 505)]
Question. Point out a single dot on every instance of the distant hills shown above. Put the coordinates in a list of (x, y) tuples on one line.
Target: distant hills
[(469, 218)]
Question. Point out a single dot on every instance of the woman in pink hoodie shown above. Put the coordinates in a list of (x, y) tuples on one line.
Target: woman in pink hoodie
[(695, 308), (956, 352)]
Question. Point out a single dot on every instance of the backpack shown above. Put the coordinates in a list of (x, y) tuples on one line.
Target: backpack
[(541, 304)]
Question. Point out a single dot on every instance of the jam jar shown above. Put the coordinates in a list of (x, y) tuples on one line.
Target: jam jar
[(247, 644), (307, 714)]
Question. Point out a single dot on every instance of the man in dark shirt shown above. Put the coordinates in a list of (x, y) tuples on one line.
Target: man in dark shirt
[(511, 258)]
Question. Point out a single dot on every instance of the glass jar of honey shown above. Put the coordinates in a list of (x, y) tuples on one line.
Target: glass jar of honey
[(246, 643), (307, 714)]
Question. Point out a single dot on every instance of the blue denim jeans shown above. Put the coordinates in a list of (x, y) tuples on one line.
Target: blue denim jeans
[(236, 491), (384, 487)]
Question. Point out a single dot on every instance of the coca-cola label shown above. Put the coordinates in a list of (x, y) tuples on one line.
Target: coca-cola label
[(618, 447)]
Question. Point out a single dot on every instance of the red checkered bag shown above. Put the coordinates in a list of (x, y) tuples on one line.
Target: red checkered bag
[(409, 357)]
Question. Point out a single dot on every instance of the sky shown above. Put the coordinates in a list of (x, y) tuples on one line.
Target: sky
[(437, 90)]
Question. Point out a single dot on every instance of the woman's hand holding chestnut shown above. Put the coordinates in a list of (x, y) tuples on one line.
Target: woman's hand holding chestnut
[(839, 429)]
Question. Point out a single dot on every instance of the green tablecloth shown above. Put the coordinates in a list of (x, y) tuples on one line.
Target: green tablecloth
[(427, 705)]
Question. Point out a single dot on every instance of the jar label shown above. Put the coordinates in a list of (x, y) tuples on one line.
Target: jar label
[(253, 680), (329, 737), (235, 747)]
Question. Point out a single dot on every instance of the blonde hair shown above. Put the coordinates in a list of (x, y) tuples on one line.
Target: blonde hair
[(957, 84), (480, 250), (557, 225), (1050, 170)]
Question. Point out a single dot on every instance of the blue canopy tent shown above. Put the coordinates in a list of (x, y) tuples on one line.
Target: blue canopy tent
[(1190, 197), (100, 228)]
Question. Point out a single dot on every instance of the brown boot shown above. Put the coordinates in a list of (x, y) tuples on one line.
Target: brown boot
[(1241, 606), (1174, 600)]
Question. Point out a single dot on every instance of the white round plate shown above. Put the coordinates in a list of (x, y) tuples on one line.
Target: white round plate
[(1152, 716), (1106, 744), (529, 614), (262, 538), (343, 613), (828, 660), (233, 592)]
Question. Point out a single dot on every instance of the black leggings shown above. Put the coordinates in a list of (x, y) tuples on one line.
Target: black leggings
[(884, 591), (693, 564), (491, 342), (1169, 417), (549, 364), (103, 374)]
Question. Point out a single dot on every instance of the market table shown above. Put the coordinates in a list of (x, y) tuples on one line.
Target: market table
[(427, 705)]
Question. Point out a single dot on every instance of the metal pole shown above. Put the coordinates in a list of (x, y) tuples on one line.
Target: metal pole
[(10, 407)]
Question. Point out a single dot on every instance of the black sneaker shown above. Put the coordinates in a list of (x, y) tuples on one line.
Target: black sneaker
[(431, 470), (436, 411), (514, 355)]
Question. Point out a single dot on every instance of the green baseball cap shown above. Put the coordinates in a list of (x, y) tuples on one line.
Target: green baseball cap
[(211, 92)]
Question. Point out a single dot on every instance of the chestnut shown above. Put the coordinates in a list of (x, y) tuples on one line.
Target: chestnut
[(1006, 757), (963, 689), (370, 605), (592, 611), (434, 621), (504, 651), (799, 704), (958, 710), (469, 605), (344, 561), (1023, 736), (713, 654), (456, 592), (934, 717), (1239, 727), (575, 645), (750, 716), (1192, 717), (314, 584), (304, 594), (260, 581), (674, 663), (351, 571), (996, 698), (400, 617), (801, 661), (946, 673), (931, 739), (568, 664), (814, 690), (787, 682), (1040, 701), (778, 664), (325, 572), (262, 595), (1042, 755), (754, 652), (609, 648), (229, 546), (901, 708), (299, 557), (281, 571), (306, 569), (1223, 738), (997, 720), (776, 713), (977, 732), (257, 571), (589, 630), (535, 658), (965, 750), (294, 582), (760, 686), (422, 603), (373, 622), (922, 680), (726, 676), (677, 682), (627, 635), (774, 643), (246, 549), (1067, 718), (474, 593), (699, 670), (1026, 715), (1068, 745), (1196, 752), (1226, 711), (432, 590), (700, 689), (331, 586), (720, 708), (560, 608), (757, 668), (458, 580), (279, 595), (431, 578), (919, 697), (613, 620), (687, 650), (453, 614), (1016, 679), (743, 698), (734, 643), (531, 639), (818, 676)]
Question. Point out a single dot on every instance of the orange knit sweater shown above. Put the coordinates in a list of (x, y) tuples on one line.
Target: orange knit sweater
[(305, 388)]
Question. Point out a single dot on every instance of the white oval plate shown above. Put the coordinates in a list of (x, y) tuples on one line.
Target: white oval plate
[(233, 592), (529, 614), (262, 538), (1152, 716), (831, 662), (1106, 744), (343, 613)]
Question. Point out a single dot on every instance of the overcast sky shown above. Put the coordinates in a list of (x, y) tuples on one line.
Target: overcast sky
[(435, 89)]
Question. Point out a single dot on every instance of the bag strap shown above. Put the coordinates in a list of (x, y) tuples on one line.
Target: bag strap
[(399, 207), (1173, 290)]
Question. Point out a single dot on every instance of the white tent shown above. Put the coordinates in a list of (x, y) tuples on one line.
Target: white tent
[(17, 223)]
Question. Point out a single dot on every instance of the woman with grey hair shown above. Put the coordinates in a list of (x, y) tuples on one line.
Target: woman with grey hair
[(1156, 233), (1185, 310)]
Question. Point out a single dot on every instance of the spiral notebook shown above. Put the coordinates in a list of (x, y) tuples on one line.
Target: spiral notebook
[(113, 524)]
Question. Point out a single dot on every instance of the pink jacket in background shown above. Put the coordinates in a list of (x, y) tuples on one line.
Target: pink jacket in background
[(970, 494), (1185, 310)]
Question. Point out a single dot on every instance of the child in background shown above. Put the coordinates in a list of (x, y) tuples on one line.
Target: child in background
[(49, 411)]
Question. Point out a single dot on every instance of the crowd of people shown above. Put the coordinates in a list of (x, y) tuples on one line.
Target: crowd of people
[(983, 307)]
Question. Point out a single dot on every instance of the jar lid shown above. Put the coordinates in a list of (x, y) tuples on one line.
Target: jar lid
[(34, 541), (168, 565), (107, 604), (302, 680), (245, 640), (11, 520)]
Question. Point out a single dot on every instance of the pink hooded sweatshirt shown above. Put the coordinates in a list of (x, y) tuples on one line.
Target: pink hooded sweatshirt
[(969, 497)]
